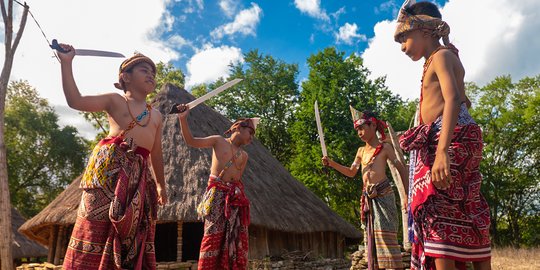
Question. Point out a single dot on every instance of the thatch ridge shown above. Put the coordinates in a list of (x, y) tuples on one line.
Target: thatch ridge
[(23, 247), (278, 200)]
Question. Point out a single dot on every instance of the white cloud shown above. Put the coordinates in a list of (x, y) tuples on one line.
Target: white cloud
[(229, 7), (338, 13), (124, 26), (211, 63), (177, 42), (168, 21), (495, 37), (348, 33), (390, 5), (244, 23), (73, 118), (312, 8), (193, 5)]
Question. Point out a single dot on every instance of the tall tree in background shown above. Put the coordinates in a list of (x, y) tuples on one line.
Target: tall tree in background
[(10, 46), (42, 157), (509, 114), (337, 81), (165, 73), (269, 91)]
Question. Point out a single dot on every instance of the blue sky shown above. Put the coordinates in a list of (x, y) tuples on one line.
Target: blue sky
[(287, 30), (201, 37)]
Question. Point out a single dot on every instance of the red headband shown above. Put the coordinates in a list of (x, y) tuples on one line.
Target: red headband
[(380, 125)]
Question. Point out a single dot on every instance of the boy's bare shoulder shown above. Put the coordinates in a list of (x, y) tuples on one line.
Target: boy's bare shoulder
[(445, 57), (156, 112), (388, 147)]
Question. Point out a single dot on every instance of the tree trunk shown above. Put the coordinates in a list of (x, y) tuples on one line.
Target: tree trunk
[(5, 205), (11, 44)]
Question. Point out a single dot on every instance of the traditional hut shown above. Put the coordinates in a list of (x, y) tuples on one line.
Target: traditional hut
[(285, 215), (23, 248)]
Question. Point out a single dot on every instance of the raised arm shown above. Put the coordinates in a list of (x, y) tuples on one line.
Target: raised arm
[(156, 157), (205, 142), (347, 171), (73, 97)]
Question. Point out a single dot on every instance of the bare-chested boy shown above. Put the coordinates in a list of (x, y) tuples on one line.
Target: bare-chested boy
[(450, 216), (116, 219), (225, 207), (379, 213)]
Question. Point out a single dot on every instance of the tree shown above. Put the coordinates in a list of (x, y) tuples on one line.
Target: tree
[(42, 157), (165, 73), (509, 114), (269, 91), (336, 82), (10, 46)]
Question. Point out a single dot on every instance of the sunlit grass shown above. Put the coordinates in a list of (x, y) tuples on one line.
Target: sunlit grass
[(518, 259)]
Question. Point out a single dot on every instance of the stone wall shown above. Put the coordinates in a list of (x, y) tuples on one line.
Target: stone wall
[(359, 260), (312, 264)]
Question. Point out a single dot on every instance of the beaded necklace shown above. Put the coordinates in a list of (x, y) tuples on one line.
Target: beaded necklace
[(147, 112)]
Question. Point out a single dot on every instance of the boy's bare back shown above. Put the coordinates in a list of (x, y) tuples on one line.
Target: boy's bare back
[(223, 151), (445, 73)]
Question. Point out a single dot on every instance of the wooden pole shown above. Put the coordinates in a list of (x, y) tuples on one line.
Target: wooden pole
[(53, 234), (59, 245), (180, 225)]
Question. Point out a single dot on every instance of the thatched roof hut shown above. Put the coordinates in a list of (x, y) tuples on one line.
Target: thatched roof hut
[(285, 215), (23, 247)]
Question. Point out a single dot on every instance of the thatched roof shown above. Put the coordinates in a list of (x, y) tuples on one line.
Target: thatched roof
[(278, 200), (23, 247)]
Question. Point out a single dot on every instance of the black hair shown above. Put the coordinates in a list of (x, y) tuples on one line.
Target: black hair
[(424, 8), (370, 114)]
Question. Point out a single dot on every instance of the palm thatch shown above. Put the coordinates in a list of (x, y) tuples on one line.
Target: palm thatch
[(23, 247), (278, 201)]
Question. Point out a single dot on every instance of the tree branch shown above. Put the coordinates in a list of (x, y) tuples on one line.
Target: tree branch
[(21, 28)]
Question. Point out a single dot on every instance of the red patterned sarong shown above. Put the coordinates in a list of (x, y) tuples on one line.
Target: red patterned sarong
[(452, 223), (116, 218), (225, 241)]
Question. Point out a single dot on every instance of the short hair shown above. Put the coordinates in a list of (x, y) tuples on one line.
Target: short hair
[(424, 8)]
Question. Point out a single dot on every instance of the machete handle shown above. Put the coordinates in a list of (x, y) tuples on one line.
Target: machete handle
[(174, 109), (56, 46)]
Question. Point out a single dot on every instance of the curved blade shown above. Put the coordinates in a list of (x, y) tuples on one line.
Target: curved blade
[(320, 130), (98, 53)]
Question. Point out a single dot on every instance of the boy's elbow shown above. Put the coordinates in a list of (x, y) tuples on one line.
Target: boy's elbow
[(73, 104)]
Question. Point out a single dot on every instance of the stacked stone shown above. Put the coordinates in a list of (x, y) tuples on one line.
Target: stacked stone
[(320, 264), (39, 266), (406, 258), (358, 261)]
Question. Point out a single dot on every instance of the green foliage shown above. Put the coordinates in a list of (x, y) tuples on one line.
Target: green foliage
[(199, 90), (167, 73), (42, 158), (336, 82), (269, 91), (509, 116)]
